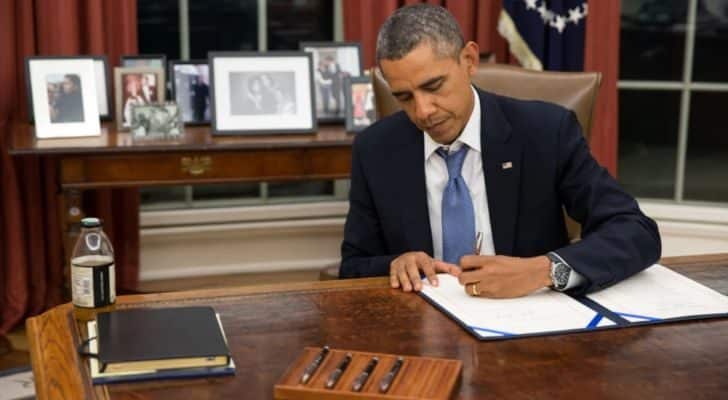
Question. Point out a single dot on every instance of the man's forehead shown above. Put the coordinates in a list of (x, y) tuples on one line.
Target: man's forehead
[(399, 79), (416, 64)]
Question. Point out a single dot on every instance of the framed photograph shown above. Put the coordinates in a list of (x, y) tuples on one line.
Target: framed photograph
[(360, 109), (156, 121), (191, 90), (333, 62), (101, 71), (144, 60), (136, 86), (261, 93), (103, 81), (62, 96)]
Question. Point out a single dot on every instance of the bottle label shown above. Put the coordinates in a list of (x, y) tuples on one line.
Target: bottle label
[(93, 281)]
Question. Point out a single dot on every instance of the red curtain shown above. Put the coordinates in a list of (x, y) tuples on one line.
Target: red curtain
[(31, 252), (479, 21), (601, 54)]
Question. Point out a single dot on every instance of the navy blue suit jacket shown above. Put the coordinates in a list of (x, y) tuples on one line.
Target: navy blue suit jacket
[(551, 167)]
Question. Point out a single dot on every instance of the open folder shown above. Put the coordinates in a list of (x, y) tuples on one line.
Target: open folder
[(653, 296)]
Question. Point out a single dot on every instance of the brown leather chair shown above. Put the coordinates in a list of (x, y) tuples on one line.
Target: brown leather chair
[(576, 91)]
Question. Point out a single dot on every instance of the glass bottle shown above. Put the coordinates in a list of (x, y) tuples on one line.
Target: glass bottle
[(93, 282)]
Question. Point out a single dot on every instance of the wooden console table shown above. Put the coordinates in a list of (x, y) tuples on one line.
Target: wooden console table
[(268, 327), (114, 160)]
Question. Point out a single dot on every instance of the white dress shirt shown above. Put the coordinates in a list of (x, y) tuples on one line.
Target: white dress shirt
[(436, 177)]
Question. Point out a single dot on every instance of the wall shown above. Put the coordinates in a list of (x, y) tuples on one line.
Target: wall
[(177, 244)]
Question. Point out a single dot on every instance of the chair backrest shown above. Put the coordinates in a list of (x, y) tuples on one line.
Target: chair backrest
[(573, 90), (576, 91)]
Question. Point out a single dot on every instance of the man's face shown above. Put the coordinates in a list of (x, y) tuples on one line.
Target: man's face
[(68, 86), (434, 90)]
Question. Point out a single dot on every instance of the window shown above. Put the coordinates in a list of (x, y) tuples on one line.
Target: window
[(673, 94), (158, 28), (188, 29)]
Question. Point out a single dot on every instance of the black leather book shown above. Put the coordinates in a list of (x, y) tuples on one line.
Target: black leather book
[(147, 339)]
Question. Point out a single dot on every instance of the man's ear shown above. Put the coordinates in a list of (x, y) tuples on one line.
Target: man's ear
[(470, 55)]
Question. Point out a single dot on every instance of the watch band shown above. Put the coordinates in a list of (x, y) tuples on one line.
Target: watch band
[(560, 272)]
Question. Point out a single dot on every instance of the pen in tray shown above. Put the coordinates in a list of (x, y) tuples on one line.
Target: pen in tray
[(313, 366), (336, 374), (362, 378)]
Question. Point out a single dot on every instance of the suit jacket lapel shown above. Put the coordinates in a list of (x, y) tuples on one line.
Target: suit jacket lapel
[(502, 170), (413, 190)]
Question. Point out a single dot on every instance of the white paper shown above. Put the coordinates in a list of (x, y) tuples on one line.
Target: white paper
[(660, 293), (17, 386), (543, 311)]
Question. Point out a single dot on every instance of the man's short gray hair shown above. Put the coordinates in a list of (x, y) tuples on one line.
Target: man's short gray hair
[(410, 26)]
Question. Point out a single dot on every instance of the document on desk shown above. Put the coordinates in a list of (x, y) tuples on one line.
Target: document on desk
[(655, 295), (545, 311), (659, 293)]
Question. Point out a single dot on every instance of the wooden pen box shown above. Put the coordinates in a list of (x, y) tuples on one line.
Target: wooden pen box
[(418, 378)]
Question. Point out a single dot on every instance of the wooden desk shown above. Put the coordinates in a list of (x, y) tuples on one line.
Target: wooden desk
[(268, 327), (114, 160)]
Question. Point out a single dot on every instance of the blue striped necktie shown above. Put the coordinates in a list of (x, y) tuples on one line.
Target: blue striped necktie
[(458, 218)]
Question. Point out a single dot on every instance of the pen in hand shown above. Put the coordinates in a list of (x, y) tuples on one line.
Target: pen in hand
[(478, 243), (386, 382), (477, 247), (334, 377), (311, 368), (362, 378)]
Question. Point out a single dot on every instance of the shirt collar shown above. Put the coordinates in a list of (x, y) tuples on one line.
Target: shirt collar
[(470, 135)]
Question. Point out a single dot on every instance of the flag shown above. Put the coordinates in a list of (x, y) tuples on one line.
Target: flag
[(545, 35)]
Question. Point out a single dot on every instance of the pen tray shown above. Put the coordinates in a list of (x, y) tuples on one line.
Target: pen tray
[(418, 378)]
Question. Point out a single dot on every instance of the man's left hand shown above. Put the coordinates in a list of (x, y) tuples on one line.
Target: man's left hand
[(503, 276)]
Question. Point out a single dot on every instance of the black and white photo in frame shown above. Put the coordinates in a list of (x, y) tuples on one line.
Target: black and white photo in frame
[(333, 63), (261, 93), (156, 121), (62, 96), (191, 90)]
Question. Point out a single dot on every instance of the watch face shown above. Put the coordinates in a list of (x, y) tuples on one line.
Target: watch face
[(561, 275)]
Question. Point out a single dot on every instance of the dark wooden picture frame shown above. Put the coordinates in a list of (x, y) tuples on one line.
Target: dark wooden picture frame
[(354, 122), (323, 70), (119, 73), (237, 78), (175, 90)]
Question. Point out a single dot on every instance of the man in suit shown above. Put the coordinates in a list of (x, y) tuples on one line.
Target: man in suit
[(458, 160)]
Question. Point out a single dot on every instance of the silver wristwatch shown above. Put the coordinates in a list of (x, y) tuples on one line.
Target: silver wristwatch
[(560, 272)]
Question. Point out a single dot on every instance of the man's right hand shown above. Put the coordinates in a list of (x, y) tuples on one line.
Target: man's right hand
[(404, 271)]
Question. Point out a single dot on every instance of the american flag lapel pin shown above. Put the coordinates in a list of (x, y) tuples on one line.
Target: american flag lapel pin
[(507, 165)]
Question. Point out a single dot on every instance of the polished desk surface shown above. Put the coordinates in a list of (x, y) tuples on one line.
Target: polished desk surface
[(267, 328), (196, 138)]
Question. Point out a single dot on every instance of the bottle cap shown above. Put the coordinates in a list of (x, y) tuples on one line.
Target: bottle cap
[(90, 222)]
